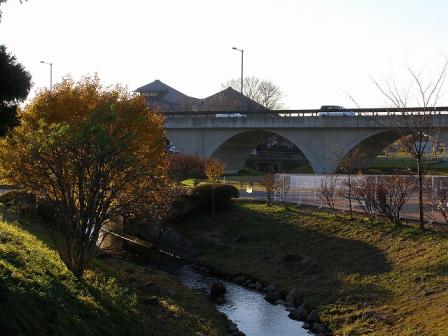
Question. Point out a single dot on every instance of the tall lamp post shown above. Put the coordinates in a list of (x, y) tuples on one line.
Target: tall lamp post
[(51, 73), (242, 78)]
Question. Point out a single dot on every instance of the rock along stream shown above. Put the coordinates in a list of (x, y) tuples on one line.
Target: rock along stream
[(248, 309)]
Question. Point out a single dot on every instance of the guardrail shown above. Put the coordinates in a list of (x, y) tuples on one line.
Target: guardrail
[(365, 112)]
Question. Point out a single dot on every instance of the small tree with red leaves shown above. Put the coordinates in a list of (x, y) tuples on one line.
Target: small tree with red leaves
[(182, 167)]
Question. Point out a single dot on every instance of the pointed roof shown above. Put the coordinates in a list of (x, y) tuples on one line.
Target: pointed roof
[(169, 98), (229, 100), (157, 86)]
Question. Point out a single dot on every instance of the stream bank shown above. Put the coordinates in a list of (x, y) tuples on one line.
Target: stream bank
[(247, 308), (247, 311)]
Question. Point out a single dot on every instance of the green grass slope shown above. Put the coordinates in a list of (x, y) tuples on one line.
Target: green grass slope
[(39, 296), (369, 280)]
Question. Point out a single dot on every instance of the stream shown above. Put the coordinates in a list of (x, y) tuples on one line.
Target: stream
[(248, 309)]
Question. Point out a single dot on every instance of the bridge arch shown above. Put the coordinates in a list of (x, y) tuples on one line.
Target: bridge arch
[(235, 150), (371, 146), (365, 149)]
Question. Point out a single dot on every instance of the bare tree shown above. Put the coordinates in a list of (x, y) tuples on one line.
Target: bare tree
[(364, 192), (268, 182), (416, 130), (281, 187), (6, 1), (263, 91), (328, 191), (392, 193), (347, 165), (437, 194)]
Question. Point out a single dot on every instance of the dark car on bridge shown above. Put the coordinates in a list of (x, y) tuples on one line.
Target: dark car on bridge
[(334, 110)]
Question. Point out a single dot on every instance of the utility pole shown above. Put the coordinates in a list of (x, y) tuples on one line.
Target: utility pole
[(51, 73), (242, 77)]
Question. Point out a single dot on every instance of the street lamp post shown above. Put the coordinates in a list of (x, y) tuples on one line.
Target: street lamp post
[(242, 78), (51, 73)]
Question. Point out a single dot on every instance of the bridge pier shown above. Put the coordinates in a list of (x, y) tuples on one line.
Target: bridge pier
[(322, 148)]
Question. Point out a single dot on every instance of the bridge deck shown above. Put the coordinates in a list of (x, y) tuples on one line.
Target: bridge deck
[(363, 118), (374, 111)]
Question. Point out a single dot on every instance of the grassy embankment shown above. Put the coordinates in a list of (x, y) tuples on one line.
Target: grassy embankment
[(240, 182), (39, 296), (380, 165), (371, 279), (401, 164)]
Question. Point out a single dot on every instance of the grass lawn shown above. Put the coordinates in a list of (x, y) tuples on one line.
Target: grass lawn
[(240, 182), (389, 164), (39, 296), (372, 279)]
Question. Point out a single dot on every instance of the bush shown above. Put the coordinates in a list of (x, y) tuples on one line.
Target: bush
[(227, 190), (20, 201), (182, 167), (29, 205), (182, 205), (223, 196), (392, 193)]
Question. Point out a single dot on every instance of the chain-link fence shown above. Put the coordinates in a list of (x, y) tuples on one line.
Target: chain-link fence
[(306, 189)]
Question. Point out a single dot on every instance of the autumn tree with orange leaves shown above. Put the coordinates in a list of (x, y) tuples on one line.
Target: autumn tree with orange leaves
[(95, 153), (213, 169)]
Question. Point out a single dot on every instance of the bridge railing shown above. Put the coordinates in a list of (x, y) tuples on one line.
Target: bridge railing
[(276, 155), (348, 113)]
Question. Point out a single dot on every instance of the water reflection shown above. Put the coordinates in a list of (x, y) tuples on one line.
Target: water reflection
[(248, 309)]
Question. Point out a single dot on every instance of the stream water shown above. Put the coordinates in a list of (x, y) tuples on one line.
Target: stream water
[(248, 309)]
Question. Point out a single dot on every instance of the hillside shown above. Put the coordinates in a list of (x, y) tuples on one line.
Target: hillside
[(39, 296), (364, 279)]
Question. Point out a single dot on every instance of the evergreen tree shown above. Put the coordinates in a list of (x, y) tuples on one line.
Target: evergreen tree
[(15, 84)]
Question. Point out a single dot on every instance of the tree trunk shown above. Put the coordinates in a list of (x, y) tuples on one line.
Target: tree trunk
[(78, 271), (420, 193), (155, 227), (269, 195), (397, 220), (213, 199), (350, 195)]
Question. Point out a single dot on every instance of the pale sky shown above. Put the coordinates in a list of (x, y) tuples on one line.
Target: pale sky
[(317, 51)]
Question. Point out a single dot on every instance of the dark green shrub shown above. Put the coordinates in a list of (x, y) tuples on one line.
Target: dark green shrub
[(28, 204), (181, 206), (223, 194), (46, 210), (20, 201), (227, 190)]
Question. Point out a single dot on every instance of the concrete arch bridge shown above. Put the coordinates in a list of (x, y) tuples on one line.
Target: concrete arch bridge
[(324, 140)]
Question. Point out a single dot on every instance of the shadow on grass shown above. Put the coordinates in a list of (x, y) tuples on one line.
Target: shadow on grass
[(39, 296), (43, 231), (439, 269), (56, 310), (277, 249)]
